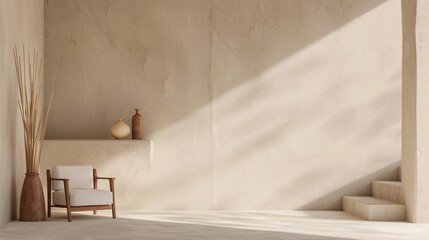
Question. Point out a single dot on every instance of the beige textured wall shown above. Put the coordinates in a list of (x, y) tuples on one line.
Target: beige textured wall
[(250, 104), (415, 14), (409, 87), (422, 48), (21, 22)]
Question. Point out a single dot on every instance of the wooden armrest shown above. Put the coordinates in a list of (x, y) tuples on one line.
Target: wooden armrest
[(111, 181), (59, 179), (65, 182), (106, 178)]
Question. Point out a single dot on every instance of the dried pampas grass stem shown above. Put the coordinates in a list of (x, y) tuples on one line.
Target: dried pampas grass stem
[(29, 75)]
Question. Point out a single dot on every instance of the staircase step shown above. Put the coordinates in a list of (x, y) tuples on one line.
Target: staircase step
[(389, 190), (374, 209)]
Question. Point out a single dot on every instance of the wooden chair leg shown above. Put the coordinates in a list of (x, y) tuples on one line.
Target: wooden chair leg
[(94, 175), (69, 218), (112, 189), (49, 209), (49, 190), (113, 210), (49, 203), (67, 196)]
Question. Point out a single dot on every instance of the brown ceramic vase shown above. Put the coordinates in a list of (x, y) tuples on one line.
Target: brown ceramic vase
[(32, 206), (137, 125)]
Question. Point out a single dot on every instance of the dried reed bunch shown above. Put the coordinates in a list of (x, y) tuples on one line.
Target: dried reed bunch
[(29, 75)]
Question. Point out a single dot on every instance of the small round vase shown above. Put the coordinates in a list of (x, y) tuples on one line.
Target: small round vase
[(120, 129), (32, 204), (137, 125)]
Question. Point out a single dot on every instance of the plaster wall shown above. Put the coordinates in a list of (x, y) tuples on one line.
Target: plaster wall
[(21, 22), (422, 48), (250, 104), (415, 109)]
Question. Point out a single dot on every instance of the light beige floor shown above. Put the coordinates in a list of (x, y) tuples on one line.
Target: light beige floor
[(214, 225)]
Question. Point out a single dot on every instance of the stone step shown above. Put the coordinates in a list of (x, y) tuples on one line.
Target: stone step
[(374, 209), (389, 190)]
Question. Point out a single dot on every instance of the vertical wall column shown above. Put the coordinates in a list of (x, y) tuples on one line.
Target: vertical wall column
[(415, 109)]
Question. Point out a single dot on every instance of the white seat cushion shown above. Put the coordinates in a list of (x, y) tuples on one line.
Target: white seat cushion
[(84, 197), (80, 176)]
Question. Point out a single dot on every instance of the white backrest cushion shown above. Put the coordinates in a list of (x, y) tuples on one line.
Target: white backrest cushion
[(80, 176)]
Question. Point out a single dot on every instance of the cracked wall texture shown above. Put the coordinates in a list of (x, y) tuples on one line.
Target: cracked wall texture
[(21, 22), (250, 104)]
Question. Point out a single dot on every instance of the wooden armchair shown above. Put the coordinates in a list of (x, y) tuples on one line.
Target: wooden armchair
[(75, 188)]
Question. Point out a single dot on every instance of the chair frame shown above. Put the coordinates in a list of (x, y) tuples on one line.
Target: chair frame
[(70, 208)]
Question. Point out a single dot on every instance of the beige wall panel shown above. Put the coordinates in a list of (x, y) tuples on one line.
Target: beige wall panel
[(109, 57), (21, 22), (422, 35), (310, 117), (409, 88), (250, 104), (415, 109)]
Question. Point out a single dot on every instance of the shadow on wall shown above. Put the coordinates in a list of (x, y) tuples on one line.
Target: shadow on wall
[(256, 93), (172, 69), (359, 187), (17, 157), (335, 160)]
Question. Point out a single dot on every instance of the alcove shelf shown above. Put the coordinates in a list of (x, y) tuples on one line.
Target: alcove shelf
[(96, 151)]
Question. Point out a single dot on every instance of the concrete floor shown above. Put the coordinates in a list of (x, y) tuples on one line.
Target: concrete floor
[(225, 225)]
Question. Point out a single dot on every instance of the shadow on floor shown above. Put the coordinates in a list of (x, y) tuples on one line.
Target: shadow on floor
[(102, 227)]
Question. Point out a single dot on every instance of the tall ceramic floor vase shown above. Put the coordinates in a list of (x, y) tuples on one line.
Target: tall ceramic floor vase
[(32, 206)]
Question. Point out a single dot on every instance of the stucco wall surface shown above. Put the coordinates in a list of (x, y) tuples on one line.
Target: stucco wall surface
[(415, 108), (422, 39), (250, 104), (21, 22)]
